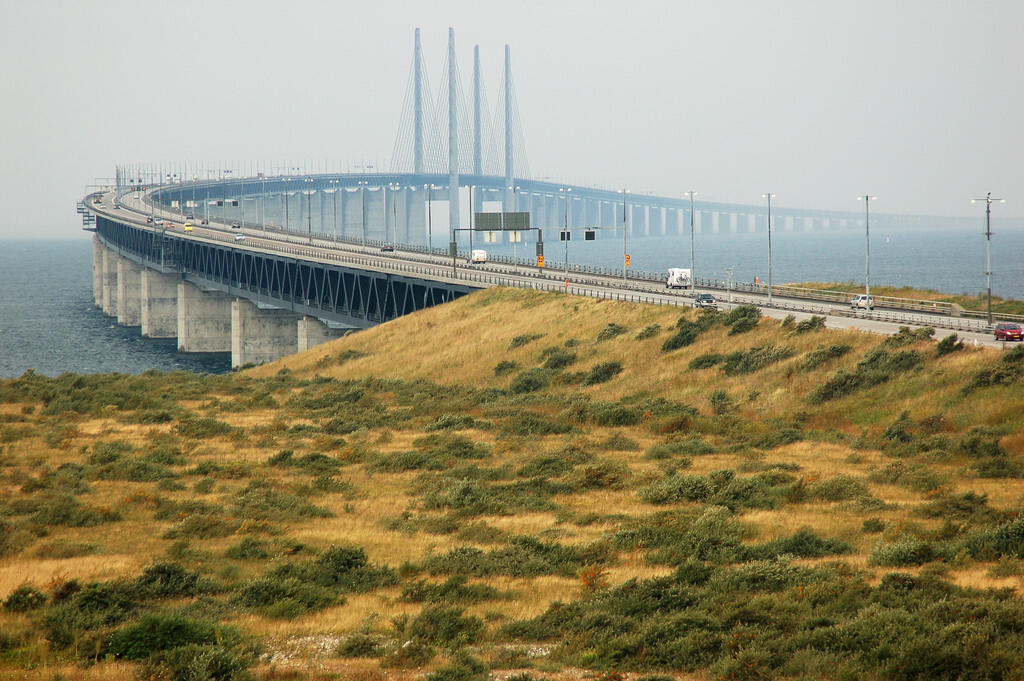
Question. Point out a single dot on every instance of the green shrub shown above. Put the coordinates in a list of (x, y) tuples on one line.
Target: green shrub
[(812, 323), (707, 360), (24, 598), (531, 380), (259, 500), (906, 552), (840, 487), (444, 625), (520, 341), (913, 476), (454, 590), (611, 331), (741, 319), (463, 667), (452, 422), (359, 645), (557, 358), (602, 372), (284, 598), (249, 548), (154, 633), (878, 366), (721, 402), (754, 359), (685, 335), (906, 336), (202, 427), (949, 344), (194, 662), (648, 331), (1007, 371), (505, 367), (815, 358)]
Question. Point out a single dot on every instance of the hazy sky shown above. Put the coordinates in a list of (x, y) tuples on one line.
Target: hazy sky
[(918, 102)]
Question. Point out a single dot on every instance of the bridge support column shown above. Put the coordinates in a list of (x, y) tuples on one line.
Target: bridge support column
[(97, 271), (109, 303), (204, 320), (312, 332), (261, 336), (128, 286), (159, 304)]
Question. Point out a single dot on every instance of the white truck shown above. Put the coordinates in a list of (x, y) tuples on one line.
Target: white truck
[(478, 256), (678, 278)]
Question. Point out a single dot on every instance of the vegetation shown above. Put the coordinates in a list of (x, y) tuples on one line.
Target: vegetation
[(643, 492)]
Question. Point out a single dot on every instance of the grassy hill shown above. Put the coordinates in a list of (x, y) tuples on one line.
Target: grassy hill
[(531, 486)]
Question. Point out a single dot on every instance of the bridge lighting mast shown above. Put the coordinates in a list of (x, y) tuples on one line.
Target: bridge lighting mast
[(565, 230), (769, 196), (625, 255), (693, 270), (988, 247), (867, 198)]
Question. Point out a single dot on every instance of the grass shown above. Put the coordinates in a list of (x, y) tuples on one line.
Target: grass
[(464, 502)]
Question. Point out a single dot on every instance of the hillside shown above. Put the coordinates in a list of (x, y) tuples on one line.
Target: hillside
[(525, 485)]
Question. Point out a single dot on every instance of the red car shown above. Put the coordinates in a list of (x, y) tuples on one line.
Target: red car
[(1008, 331)]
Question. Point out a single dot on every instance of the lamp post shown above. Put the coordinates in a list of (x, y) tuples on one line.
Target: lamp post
[(565, 231), (430, 216), (514, 235), (867, 198), (309, 208), (285, 199), (988, 247), (769, 196), (263, 203), (471, 188), (624, 254), (362, 199), (334, 195), (394, 187), (693, 270)]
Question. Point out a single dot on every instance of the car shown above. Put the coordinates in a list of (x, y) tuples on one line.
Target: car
[(190, 217), (862, 302), (705, 301), (204, 221), (187, 227), (159, 223), (387, 248), (239, 237), (1008, 331), (149, 219), (235, 225)]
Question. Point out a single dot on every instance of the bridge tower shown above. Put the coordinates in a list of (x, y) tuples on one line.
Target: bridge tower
[(418, 106), (453, 138)]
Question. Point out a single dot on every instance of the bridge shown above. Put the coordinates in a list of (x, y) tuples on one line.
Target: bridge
[(279, 258)]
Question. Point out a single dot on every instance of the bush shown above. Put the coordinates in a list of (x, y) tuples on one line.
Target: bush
[(359, 645), (24, 598), (813, 323), (195, 662), (284, 598), (603, 372), (520, 341), (878, 366), (815, 358), (443, 625), (505, 367), (611, 331), (950, 343), (463, 667), (648, 331), (1008, 371), (530, 381), (906, 552), (839, 488), (154, 633), (741, 319), (557, 358), (454, 590), (687, 333), (202, 427), (749, 361), (706, 361)]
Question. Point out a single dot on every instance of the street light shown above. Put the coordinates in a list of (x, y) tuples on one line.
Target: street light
[(867, 198), (362, 191), (693, 271), (284, 198), (988, 247), (769, 196), (334, 195), (514, 236), (625, 256), (430, 216), (309, 208), (565, 233), (393, 186)]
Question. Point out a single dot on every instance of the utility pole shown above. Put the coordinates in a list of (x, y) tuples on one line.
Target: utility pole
[(693, 270), (867, 248), (988, 247), (769, 196)]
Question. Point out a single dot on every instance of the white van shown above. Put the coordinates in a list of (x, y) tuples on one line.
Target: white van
[(478, 256), (677, 278)]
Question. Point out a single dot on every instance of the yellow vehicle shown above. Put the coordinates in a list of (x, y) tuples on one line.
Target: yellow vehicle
[(188, 226)]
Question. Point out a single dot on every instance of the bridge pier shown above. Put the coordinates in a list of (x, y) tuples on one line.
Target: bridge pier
[(204, 320), (129, 276), (311, 332), (260, 336), (159, 303), (97, 271), (109, 302)]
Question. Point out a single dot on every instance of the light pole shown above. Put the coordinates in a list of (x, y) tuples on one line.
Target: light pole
[(867, 198), (309, 208), (263, 203), (769, 196), (285, 199), (565, 231), (430, 216), (334, 195), (625, 256), (693, 270), (362, 198), (394, 187), (514, 235), (988, 247), (471, 188)]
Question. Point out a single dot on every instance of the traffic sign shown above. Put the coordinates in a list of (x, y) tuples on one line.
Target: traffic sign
[(540, 260), (627, 260)]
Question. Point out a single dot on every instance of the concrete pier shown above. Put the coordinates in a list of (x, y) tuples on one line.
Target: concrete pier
[(261, 336), (129, 275), (159, 304), (109, 276), (97, 271), (312, 332), (204, 320)]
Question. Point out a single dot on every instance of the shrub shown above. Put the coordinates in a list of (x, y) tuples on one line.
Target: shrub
[(557, 358), (359, 645), (154, 633), (907, 552), (706, 361), (530, 381), (687, 333), (452, 422), (24, 598), (721, 402), (249, 548), (603, 372), (193, 662), (878, 366), (284, 598), (202, 427), (611, 331), (505, 367), (520, 341), (1007, 371), (741, 319), (454, 590), (906, 336), (444, 625), (812, 323), (749, 361), (815, 358), (950, 343), (839, 488), (463, 667), (648, 331)]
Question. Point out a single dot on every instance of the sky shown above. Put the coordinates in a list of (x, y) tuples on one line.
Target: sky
[(918, 102)]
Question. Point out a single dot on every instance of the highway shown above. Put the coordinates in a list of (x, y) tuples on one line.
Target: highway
[(133, 208)]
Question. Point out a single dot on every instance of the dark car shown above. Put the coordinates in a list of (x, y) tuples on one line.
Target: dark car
[(705, 301), (387, 248), (1008, 331)]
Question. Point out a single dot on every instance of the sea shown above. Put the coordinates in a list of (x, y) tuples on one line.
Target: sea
[(50, 324)]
